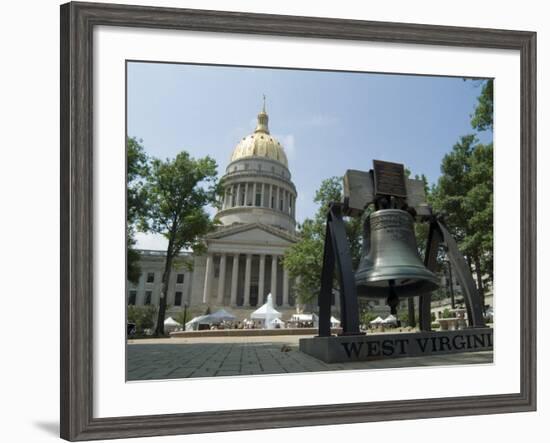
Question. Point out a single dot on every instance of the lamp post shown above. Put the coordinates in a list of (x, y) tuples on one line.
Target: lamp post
[(184, 315), (451, 286)]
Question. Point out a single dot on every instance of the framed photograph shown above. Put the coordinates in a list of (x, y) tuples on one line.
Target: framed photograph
[(273, 221)]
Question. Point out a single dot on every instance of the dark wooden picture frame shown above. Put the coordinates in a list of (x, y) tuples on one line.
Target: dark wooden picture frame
[(77, 23)]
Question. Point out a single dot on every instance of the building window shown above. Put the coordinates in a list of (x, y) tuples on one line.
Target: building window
[(177, 300), (216, 270), (132, 298), (179, 279), (272, 202), (148, 295), (281, 205), (150, 277), (258, 199)]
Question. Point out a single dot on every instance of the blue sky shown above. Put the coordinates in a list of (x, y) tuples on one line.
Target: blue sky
[(327, 121)]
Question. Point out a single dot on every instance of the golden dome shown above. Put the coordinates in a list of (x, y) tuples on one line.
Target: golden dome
[(260, 143)]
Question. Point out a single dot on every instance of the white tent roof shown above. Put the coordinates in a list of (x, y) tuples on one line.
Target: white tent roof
[(265, 311), (390, 319), (171, 322), (304, 317), (334, 320), (277, 321), (221, 315), (377, 321), (196, 320)]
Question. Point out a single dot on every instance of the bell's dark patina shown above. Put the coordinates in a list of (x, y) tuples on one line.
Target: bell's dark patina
[(390, 265)]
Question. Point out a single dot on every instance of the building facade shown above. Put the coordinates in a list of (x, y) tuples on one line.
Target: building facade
[(242, 264)]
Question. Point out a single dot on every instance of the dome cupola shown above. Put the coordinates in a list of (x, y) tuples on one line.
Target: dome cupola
[(260, 143), (257, 185)]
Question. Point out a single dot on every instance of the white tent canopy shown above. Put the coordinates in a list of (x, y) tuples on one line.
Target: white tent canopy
[(266, 311), (305, 317), (334, 321), (390, 320), (377, 321), (194, 322), (221, 315), (171, 322), (209, 319)]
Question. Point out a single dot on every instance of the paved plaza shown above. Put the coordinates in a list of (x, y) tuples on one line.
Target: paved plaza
[(154, 359)]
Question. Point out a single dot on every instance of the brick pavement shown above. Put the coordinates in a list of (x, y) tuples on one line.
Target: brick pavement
[(153, 361)]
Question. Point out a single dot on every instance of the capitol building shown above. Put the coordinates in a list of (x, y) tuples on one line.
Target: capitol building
[(242, 263)]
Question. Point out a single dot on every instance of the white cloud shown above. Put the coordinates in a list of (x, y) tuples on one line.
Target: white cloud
[(289, 144)]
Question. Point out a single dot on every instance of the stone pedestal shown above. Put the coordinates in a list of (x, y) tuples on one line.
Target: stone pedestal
[(341, 349)]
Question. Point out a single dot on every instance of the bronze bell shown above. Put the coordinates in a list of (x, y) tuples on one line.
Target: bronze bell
[(390, 265)]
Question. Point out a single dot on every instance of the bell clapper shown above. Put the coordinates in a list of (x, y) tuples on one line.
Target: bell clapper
[(393, 299)]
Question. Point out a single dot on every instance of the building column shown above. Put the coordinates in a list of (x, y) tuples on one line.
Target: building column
[(285, 287), (238, 199), (261, 280), (208, 277), (274, 278), (270, 195), (247, 272), (254, 188), (221, 280), (287, 202), (278, 202), (262, 203), (234, 280)]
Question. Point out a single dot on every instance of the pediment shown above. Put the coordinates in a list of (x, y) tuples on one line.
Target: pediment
[(253, 234)]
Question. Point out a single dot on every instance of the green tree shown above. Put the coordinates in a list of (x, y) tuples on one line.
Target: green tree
[(177, 193), (464, 193), (142, 316), (137, 167), (421, 229), (482, 119), (447, 313), (304, 259)]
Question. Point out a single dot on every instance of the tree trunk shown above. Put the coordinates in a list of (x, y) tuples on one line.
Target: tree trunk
[(159, 330), (479, 276)]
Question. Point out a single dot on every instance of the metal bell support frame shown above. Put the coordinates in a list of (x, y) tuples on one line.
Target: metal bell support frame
[(439, 235), (337, 253)]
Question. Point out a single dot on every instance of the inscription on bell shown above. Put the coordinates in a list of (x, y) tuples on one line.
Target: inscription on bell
[(389, 179), (393, 220)]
